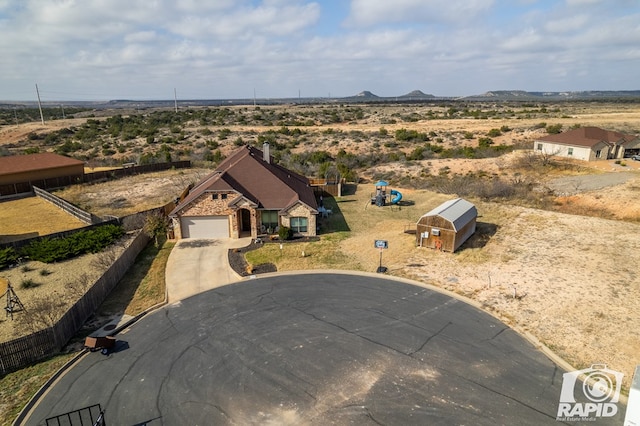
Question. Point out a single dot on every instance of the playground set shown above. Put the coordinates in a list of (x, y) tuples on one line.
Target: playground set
[(380, 198)]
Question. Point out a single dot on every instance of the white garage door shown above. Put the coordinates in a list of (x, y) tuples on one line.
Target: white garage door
[(205, 226)]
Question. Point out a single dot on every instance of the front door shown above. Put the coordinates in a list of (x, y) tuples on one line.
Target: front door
[(245, 220)]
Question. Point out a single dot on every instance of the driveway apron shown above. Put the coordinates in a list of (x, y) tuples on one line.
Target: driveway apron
[(199, 265)]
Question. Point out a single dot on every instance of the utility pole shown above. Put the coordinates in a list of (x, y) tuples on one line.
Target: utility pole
[(175, 99), (39, 104), (62, 108)]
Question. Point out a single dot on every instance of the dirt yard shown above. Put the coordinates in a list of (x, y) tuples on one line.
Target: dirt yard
[(31, 217), (570, 280)]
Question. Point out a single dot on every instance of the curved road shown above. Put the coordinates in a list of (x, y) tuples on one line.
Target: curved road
[(314, 348)]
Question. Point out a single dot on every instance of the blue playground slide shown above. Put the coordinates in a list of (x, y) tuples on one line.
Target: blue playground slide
[(397, 198)]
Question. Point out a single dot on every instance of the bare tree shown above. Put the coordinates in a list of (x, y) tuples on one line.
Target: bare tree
[(41, 312), (155, 226)]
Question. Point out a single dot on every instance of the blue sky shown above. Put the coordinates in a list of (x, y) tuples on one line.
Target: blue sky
[(144, 49)]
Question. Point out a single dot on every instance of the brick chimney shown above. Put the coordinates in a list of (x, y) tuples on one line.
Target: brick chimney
[(265, 152)]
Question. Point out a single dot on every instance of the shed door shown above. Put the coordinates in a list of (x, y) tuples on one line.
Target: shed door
[(205, 226)]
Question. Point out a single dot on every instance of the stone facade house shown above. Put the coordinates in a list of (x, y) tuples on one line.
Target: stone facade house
[(589, 144), (247, 195)]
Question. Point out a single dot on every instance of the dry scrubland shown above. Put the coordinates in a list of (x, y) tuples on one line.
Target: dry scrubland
[(559, 277), (574, 276)]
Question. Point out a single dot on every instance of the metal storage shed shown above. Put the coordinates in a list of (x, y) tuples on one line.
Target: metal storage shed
[(447, 226)]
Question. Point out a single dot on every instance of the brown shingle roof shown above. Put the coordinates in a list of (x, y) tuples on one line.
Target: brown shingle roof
[(268, 185), (27, 163), (588, 136)]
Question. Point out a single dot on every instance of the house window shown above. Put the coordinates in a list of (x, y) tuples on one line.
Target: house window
[(214, 196), (269, 220), (299, 224), (570, 151), (223, 196), (539, 147), (598, 153)]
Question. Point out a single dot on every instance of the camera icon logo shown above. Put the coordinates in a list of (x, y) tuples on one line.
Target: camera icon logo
[(595, 395), (600, 384)]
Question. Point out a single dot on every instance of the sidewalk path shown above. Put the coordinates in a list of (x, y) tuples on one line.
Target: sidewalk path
[(195, 266)]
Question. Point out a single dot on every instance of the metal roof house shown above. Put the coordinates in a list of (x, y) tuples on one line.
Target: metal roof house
[(46, 170), (447, 226)]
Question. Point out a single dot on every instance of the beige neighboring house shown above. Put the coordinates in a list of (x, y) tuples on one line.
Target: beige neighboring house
[(247, 195), (589, 144)]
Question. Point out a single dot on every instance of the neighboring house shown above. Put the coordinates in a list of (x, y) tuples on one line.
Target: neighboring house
[(589, 143), (447, 226), (48, 170), (247, 195)]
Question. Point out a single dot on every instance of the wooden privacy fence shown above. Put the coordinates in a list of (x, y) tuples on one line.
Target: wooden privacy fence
[(18, 353), (75, 211), (332, 187), (134, 170), (61, 181), (23, 187)]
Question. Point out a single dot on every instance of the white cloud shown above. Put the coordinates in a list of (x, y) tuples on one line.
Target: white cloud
[(567, 24), (372, 12), (219, 48)]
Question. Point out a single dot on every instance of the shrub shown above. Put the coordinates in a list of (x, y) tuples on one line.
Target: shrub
[(8, 257), (553, 129), (91, 241), (28, 283), (485, 142), (285, 233)]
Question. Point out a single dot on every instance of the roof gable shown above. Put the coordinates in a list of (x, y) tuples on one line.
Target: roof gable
[(457, 211), (268, 185), (589, 137), (32, 162)]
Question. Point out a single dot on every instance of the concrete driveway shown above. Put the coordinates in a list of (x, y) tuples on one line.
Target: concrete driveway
[(197, 265)]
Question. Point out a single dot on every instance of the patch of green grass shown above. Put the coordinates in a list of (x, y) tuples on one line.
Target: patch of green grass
[(45, 272), (17, 388), (144, 284)]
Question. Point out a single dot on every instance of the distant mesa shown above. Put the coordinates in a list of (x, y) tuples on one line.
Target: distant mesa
[(366, 94), (522, 95), (416, 94)]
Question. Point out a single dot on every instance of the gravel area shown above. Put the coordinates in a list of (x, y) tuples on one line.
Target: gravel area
[(572, 185)]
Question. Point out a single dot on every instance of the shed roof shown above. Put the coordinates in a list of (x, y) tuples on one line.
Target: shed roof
[(32, 162), (589, 136), (268, 185), (457, 211)]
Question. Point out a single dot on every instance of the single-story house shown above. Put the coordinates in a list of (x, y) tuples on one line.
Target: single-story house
[(19, 172), (247, 195), (447, 226), (589, 144)]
